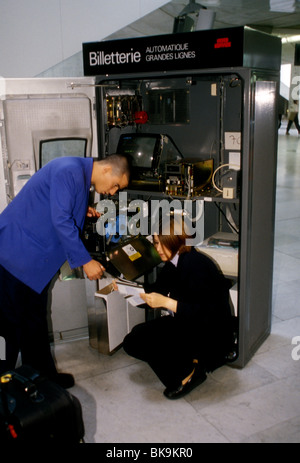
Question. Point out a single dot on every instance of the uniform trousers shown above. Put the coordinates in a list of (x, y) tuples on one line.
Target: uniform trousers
[(23, 325), (166, 347)]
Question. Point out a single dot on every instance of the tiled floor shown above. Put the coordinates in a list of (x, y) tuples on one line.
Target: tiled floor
[(122, 398)]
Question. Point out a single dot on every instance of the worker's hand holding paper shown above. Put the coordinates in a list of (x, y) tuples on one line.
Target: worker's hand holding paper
[(131, 293)]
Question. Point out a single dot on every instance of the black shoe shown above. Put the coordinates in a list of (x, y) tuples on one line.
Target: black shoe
[(64, 380), (182, 390)]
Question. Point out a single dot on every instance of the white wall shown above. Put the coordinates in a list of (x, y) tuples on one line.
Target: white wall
[(37, 34)]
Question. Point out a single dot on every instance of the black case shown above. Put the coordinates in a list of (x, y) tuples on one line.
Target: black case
[(35, 409)]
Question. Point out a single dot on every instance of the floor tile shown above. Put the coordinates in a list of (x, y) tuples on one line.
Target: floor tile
[(256, 411)]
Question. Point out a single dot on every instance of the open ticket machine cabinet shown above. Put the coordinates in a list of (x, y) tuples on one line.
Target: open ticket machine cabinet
[(197, 112)]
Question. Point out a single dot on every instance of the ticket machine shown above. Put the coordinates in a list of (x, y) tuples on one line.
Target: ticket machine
[(198, 114)]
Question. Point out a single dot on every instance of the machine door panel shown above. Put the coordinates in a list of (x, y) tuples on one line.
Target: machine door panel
[(44, 119)]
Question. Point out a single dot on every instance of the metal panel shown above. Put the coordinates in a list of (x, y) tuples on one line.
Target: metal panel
[(111, 318), (33, 110), (258, 213)]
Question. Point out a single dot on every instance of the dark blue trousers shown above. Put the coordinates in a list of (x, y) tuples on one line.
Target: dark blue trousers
[(163, 345), (23, 325)]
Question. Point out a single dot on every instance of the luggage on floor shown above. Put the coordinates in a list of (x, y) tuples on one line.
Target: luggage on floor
[(35, 409)]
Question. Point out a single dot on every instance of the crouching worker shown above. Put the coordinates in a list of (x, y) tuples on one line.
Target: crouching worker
[(197, 335)]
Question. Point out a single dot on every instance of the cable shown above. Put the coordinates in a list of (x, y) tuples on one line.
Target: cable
[(230, 224), (217, 169)]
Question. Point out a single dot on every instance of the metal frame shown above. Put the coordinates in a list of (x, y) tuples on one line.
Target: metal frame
[(257, 198)]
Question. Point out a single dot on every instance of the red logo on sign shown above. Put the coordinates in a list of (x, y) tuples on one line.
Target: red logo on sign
[(223, 43)]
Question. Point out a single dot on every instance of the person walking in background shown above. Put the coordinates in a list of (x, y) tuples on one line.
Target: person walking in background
[(293, 116)]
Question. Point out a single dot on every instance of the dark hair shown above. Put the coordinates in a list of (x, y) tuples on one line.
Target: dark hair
[(120, 164), (175, 241)]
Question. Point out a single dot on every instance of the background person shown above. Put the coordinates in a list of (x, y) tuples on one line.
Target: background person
[(293, 116)]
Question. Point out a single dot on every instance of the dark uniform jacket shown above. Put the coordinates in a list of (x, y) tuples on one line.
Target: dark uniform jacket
[(203, 311)]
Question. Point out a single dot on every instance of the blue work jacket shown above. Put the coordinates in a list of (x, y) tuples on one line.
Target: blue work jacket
[(40, 229)]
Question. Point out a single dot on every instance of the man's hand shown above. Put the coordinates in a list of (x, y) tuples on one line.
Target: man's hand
[(94, 270), (91, 212)]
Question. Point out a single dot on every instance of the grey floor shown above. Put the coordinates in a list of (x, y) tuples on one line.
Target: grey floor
[(122, 399)]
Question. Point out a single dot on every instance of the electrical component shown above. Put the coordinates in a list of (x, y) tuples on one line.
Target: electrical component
[(229, 193), (124, 109), (230, 181), (188, 177)]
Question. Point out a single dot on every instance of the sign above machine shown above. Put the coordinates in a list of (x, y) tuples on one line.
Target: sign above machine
[(216, 48)]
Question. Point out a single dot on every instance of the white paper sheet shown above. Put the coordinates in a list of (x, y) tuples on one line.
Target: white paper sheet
[(132, 293)]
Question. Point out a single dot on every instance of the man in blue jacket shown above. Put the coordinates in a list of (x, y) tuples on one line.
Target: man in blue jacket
[(39, 230)]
